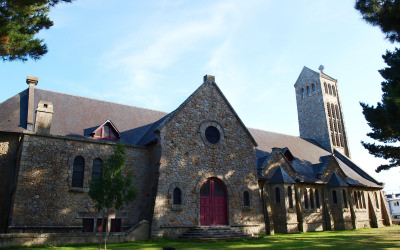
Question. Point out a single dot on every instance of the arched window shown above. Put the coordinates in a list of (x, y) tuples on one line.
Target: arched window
[(277, 195), (311, 198), (334, 197), (363, 199), (330, 89), (308, 91), (246, 199), (317, 198), (333, 90), (290, 196), (96, 170), (333, 111), (305, 199), (177, 196), (337, 111), (313, 87), (344, 198), (303, 93), (360, 200), (77, 172), (333, 139), (377, 201), (326, 88)]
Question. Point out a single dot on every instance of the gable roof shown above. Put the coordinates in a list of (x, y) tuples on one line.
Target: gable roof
[(280, 176), (214, 85)]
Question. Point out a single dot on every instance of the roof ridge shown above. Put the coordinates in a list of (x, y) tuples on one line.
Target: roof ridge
[(95, 99)]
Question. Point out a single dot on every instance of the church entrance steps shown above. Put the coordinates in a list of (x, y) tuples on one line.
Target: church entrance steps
[(215, 233)]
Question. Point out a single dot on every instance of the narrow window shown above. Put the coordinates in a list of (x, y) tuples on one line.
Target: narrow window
[(330, 89), (305, 199), (328, 106), (303, 93), (313, 88), (333, 110), (326, 89), (344, 199), (360, 200), (377, 201), (355, 199), (308, 91), (290, 196), (115, 225), (100, 227), (96, 171), (87, 225), (363, 199), (77, 173), (177, 196), (246, 199), (312, 199), (317, 198), (333, 139), (277, 196), (334, 197), (333, 90)]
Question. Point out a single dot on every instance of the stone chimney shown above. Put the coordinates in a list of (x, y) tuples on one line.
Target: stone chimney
[(44, 116), (209, 78), (32, 81)]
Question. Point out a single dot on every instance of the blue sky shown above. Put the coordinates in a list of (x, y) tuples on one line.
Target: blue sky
[(154, 54)]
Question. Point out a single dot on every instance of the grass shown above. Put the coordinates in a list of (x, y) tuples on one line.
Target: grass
[(371, 238)]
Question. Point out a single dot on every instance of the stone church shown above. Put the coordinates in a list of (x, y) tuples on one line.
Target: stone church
[(198, 166)]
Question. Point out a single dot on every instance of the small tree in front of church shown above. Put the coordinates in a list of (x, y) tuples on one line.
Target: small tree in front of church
[(114, 189)]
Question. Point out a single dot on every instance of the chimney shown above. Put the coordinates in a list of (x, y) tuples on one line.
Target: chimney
[(209, 78), (32, 81), (44, 116)]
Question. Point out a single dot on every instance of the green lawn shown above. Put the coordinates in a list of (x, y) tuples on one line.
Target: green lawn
[(372, 238)]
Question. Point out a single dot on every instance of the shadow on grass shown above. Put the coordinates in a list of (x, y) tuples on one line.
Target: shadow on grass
[(387, 237)]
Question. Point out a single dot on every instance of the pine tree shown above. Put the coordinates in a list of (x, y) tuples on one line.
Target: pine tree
[(114, 188), (20, 21), (384, 118)]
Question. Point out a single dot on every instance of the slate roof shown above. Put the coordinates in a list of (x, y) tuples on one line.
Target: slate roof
[(280, 176), (336, 181), (76, 116)]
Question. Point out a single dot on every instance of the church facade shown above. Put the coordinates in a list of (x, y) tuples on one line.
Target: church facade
[(196, 166)]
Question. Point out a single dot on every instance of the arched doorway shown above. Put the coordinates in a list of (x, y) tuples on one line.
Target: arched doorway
[(213, 208)]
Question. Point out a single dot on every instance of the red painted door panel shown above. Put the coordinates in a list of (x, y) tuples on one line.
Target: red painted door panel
[(213, 208)]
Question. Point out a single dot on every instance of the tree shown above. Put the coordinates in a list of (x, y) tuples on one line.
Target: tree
[(20, 21), (384, 118), (114, 188)]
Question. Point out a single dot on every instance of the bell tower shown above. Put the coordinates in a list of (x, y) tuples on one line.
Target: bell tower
[(319, 110)]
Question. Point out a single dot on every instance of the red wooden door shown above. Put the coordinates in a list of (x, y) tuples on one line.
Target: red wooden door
[(213, 209)]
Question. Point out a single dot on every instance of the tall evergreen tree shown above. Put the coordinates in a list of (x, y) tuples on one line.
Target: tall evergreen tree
[(114, 188), (384, 118), (20, 21)]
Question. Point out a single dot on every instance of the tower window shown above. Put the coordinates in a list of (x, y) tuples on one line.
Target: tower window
[(308, 91), (303, 93), (326, 88), (328, 107), (313, 87), (333, 90), (330, 89)]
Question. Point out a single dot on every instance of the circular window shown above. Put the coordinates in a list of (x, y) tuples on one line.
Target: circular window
[(212, 134)]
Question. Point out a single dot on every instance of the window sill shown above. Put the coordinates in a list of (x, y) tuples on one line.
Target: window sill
[(176, 207), (77, 190)]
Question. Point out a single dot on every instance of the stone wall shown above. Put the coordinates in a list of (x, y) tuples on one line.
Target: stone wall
[(46, 202), (9, 143), (188, 159)]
